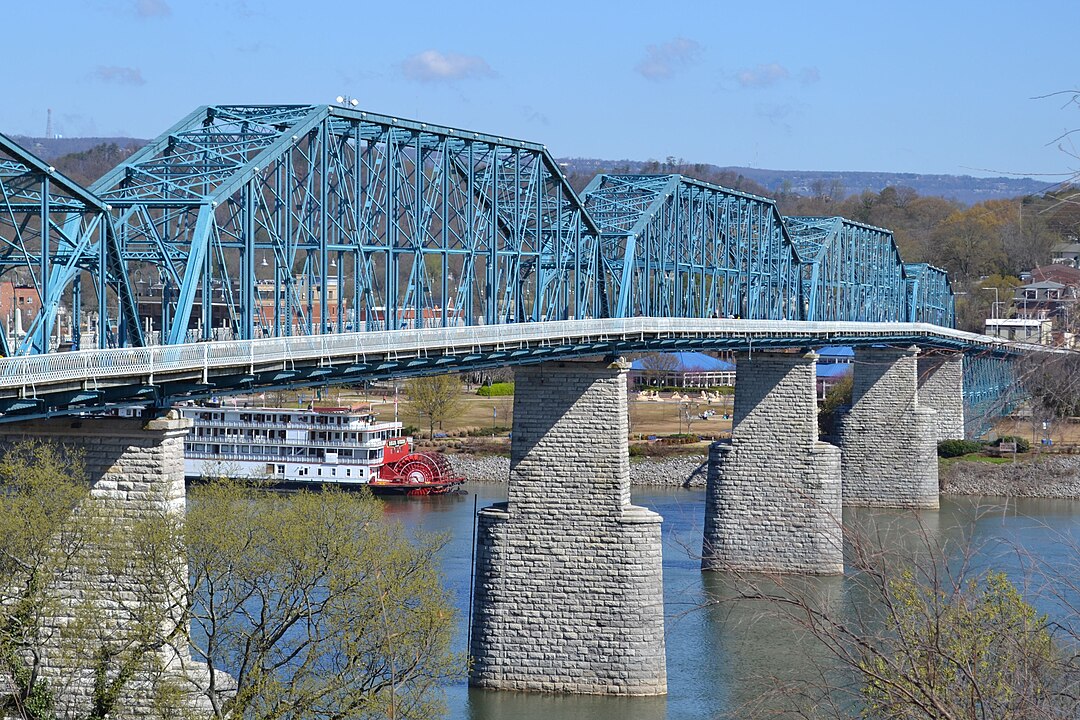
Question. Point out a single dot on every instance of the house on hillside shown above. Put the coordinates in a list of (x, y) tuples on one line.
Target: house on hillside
[(1066, 253), (1051, 294), (1045, 309)]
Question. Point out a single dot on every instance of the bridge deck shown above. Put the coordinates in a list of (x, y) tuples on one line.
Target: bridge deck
[(77, 381)]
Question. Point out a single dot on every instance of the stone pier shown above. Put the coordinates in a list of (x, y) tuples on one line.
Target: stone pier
[(888, 439), (773, 498), (568, 593), (941, 387), (136, 473)]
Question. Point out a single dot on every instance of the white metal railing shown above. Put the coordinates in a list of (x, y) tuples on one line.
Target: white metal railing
[(89, 365)]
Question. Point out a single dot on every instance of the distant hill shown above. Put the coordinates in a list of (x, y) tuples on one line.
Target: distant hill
[(52, 148), (962, 188)]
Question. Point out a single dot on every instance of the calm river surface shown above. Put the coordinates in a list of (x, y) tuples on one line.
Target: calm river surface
[(714, 653)]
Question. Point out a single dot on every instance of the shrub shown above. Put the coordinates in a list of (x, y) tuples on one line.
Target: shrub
[(679, 439), (488, 430), (956, 448), (498, 389)]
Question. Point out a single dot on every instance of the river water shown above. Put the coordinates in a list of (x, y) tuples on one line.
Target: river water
[(717, 655)]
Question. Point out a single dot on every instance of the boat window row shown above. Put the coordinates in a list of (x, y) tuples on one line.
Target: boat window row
[(281, 451), (329, 472), (272, 417), (310, 435)]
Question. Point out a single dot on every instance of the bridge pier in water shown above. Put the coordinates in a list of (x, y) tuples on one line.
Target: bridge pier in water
[(568, 593), (773, 496), (136, 473), (888, 438), (941, 387)]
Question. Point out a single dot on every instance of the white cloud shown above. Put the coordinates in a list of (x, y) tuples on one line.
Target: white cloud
[(119, 75), (534, 115), (664, 60), (762, 75), (434, 66), (809, 75), (152, 8)]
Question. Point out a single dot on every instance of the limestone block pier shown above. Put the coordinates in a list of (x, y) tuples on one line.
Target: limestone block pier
[(941, 388), (773, 495), (568, 593), (888, 438)]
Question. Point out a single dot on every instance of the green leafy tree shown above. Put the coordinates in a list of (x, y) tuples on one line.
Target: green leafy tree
[(76, 602), (314, 606), (928, 637), (254, 605), (41, 487), (434, 399), (978, 651)]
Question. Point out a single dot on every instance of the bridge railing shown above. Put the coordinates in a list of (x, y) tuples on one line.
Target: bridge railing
[(86, 365)]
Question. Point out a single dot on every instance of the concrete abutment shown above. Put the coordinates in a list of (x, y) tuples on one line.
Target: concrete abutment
[(568, 592), (773, 494)]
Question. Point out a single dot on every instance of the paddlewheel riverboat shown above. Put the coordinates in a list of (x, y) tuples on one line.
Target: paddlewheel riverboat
[(318, 446)]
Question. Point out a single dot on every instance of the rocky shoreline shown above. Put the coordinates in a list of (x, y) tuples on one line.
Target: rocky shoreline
[(1050, 476)]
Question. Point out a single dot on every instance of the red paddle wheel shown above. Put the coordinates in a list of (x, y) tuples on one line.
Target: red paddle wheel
[(418, 474)]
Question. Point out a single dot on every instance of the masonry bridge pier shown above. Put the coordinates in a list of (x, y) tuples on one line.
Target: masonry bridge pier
[(261, 247), (775, 492)]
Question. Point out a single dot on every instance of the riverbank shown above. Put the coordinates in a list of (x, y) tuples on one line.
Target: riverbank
[(1048, 476)]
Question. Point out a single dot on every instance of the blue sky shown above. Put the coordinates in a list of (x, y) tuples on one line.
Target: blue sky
[(927, 87)]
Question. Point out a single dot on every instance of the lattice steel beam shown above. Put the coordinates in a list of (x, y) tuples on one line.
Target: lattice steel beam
[(992, 389)]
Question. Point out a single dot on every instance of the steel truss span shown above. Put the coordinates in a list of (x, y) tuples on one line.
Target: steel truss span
[(244, 222), (270, 221), (252, 222), (53, 233), (677, 247)]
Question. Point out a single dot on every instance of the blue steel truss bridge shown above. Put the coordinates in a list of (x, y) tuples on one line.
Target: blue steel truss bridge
[(271, 246)]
